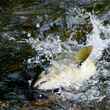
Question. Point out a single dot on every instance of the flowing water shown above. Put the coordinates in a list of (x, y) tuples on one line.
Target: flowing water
[(38, 34), (55, 50)]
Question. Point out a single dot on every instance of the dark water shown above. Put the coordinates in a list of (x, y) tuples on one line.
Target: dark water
[(22, 19)]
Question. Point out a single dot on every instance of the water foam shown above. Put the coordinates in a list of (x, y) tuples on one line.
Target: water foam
[(53, 46)]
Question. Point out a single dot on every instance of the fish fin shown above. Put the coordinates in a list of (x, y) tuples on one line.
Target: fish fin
[(82, 54)]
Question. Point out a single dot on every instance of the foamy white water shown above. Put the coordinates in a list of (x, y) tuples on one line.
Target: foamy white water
[(94, 38), (54, 48)]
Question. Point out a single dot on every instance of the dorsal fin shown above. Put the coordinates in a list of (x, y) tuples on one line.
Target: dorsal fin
[(82, 54)]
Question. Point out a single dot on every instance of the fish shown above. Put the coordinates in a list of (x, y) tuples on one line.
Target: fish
[(68, 73)]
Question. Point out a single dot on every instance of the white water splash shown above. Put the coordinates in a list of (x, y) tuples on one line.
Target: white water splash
[(94, 88), (52, 47), (48, 47), (58, 77), (99, 38), (94, 38)]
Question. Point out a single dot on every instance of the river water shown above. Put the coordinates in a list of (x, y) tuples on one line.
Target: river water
[(36, 34)]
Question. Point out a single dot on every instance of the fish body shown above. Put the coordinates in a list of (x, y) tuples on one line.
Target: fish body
[(67, 72)]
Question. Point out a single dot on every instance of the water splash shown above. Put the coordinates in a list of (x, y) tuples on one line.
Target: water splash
[(52, 46), (99, 37)]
